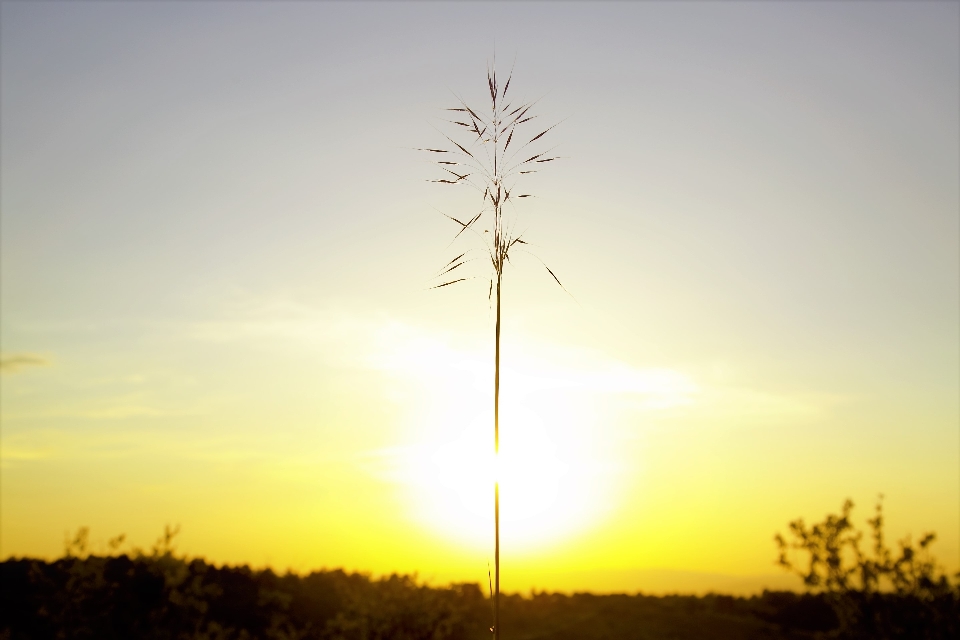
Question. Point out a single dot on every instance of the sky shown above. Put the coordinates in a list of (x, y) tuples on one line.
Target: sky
[(218, 243)]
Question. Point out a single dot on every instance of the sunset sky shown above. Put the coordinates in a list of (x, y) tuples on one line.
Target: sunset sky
[(218, 243)]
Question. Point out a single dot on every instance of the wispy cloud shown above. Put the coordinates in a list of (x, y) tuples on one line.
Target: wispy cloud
[(452, 370), (533, 367), (280, 323), (126, 411), (15, 362)]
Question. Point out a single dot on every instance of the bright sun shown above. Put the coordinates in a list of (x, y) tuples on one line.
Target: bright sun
[(550, 485), (559, 465)]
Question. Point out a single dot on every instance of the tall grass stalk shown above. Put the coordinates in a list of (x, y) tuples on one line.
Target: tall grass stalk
[(489, 150)]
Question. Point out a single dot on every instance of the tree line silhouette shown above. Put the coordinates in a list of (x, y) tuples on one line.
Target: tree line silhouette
[(159, 595)]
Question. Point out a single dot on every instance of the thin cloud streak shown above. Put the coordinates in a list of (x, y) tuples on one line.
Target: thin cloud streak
[(17, 362)]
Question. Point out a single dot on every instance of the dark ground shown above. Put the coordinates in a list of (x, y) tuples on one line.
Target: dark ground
[(161, 596)]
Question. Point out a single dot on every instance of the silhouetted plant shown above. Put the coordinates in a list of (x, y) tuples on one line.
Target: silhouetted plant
[(489, 153), (159, 596), (875, 594)]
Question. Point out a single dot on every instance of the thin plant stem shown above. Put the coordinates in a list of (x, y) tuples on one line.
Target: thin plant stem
[(497, 171), (496, 480)]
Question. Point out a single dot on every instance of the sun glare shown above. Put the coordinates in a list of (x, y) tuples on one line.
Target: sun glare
[(550, 483), (558, 463)]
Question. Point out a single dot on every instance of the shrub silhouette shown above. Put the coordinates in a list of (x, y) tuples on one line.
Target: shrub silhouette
[(875, 594)]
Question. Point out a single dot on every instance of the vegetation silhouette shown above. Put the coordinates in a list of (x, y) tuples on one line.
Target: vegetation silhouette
[(877, 593), (160, 595), (479, 156)]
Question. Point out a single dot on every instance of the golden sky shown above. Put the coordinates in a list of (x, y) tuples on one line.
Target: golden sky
[(217, 245)]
